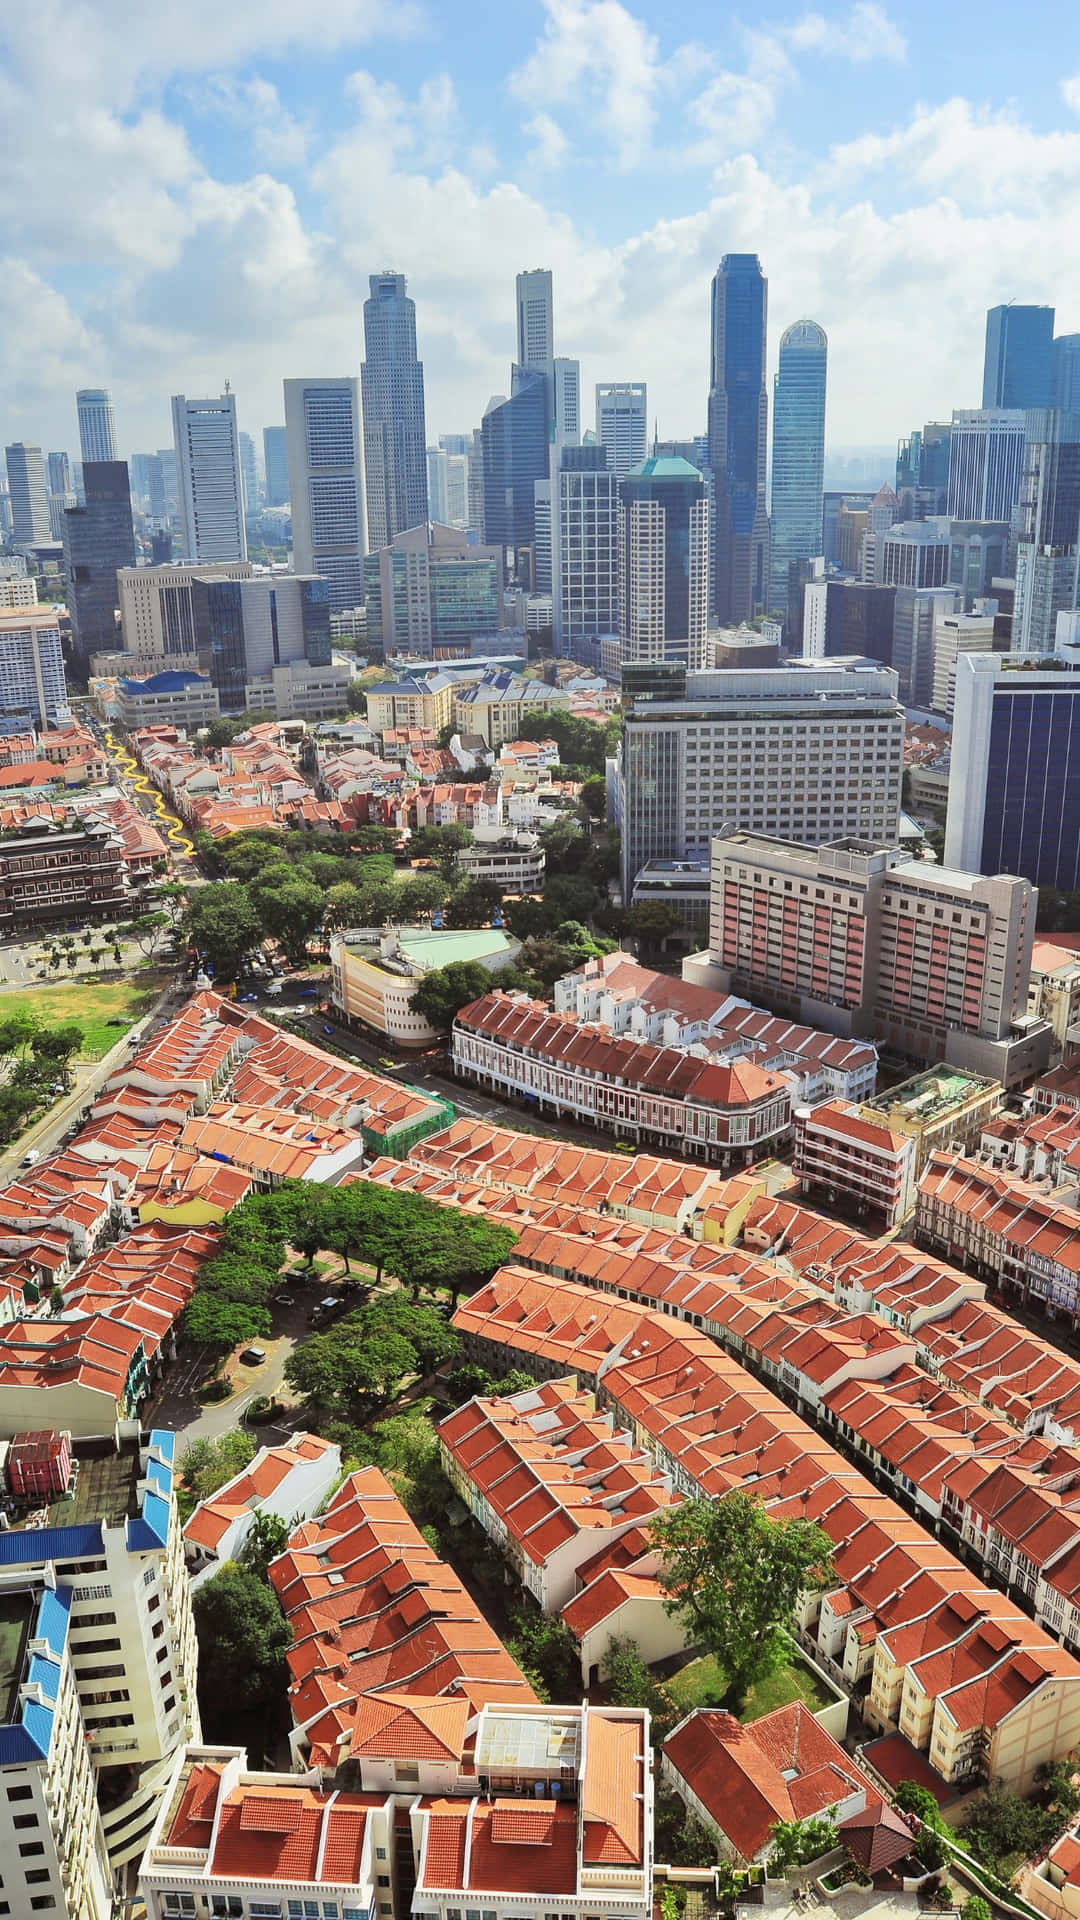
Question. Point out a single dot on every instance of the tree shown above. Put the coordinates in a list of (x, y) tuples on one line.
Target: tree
[(243, 1639), (653, 921), (441, 994), (630, 1684), (442, 845), (975, 1908), (594, 796), (526, 918), (206, 1465), (148, 931), (568, 896), (17, 1032), (424, 893), (796, 1842), (473, 904), (911, 1798), (363, 1362), (245, 855), (564, 845), (223, 924), (582, 744), (735, 1576), (267, 1536), (547, 1653), (1000, 1823), (344, 907), (221, 1324), (54, 1046), (290, 912)]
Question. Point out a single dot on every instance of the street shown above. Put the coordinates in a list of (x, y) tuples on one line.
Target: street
[(178, 1405)]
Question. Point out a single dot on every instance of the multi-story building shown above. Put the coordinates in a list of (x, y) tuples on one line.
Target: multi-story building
[(622, 423), (412, 703), (986, 463), (855, 1157), (738, 429), (798, 453), (99, 539), (97, 425), (916, 611), (32, 684), (912, 553), (276, 466), (448, 487), (664, 563), (956, 633), (585, 552), (513, 862), (514, 456), (209, 480), (1018, 363), (67, 873), (431, 592), (494, 707), (175, 696), (1065, 373), (325, 483), (300, 691), (395, 439), (247, 629), (857, 938), (18, 590), (249, 473), (375, 975), (26, 490), (535, 318), (157, 612), (1014, 786), (845, 619), (809, 752), (1048, 554), (58, 473)]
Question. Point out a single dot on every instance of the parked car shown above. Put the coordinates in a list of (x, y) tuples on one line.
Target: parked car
[(253, 1356)]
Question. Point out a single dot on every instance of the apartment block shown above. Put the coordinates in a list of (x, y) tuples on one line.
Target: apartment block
[(32, 685), (847, 1155), (412, 703), (515, 862), (859, 939), (811, 752)]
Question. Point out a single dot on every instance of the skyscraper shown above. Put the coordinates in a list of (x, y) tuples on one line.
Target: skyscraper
[(535, 319), (738, 427), (98, 540), (585, 553), (664, 563), (26, 486), (515, 455), (1048, 553), (326, 484), (1014, 785), (1019, 352), (208, 477), (395, 441), (59, 473), (798, 463), (97, 424), (622, 423), (276, 463), (148, 485), (566, 376), (248, 473), (986, 463), (1065, 384)]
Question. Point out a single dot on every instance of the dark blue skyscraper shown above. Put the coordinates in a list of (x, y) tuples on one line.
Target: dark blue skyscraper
[(738, 428), (98, 539), (1065, 393), (798, 462), (1018, 362), (395, 439), (514, 436)]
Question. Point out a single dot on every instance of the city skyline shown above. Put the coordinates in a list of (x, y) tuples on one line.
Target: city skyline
[(850, 149)]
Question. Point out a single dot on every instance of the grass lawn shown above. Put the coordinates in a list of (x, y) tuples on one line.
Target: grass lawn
[(91, 1004), (703, 1683)]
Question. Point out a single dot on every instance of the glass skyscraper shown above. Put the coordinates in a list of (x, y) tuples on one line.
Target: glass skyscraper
[(664, 562), (395, 440), (738, 428), (798, 462), (98, 539), (515, 454), (1017, 369), (325, 483)]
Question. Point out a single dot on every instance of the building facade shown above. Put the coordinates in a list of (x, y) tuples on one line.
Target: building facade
[(1014, 787), (32, 684), (157, 612), (585, 553), (798, 453), (1048, 554), (97, 424), (276, 466), (26, 490), (514, 449), (395, 439), (325, 484), (99, 539), (1018, 362), (986, 463), (209, 480), (664, 563), (622, 423), (738, 430), (431, 592)]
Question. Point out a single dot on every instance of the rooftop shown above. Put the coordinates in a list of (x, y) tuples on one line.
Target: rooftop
[(106, 1486), (16, 1616), (929, 1095)]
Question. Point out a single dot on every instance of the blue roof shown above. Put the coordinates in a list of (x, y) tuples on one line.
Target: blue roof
[(174, 680), (665, 466), (45, 1673), (35, 1544), (53, 1618), (160, 1475), (151, 1529), (163, 1440)]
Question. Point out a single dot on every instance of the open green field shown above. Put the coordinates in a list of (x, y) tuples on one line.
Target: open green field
[(704, 1683), (91, 1004)]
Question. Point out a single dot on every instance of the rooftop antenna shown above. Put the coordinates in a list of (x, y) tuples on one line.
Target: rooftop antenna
[(228, 386)]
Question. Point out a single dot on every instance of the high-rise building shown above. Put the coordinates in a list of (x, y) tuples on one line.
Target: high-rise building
[(170, 474), (913, 553), (515, 455), (148, 485), (59, 504), (437, 485), (448, 486), (916, 611), (1048, 553), (26, 487), (622, 423), (33, 690), (986, 463), (249, 473), (249, 627), (956, 632), (738, 429), (431, 592), (157, 617), (97, 424), (1017, 368), (585, 553), (540, 578), (798, 453), (1065, 384), (809, 752), (395, 440), (276, 464), (663, 563), (476, 484), (535, 319), (59, 473), (566, 375), (326, 486), (99, 539), (843, 619), (208, 475), (1014, 782)]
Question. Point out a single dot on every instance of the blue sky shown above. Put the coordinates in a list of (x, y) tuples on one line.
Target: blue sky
[(202, 194)]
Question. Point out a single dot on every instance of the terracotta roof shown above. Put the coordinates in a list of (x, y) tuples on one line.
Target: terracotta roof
[(783, 1766)]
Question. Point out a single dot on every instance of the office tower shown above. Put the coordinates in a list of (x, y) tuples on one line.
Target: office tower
[(858, 938), (663, 563), (437, 485), (541, 550), (622, 423), (1048, 554), (956, 632), (738, 428), (845, 618), (276, 463), (585, 553), (457, 490), (395, 440), (148, 485), (915, 613), (809, 752), (17, 589), (986, 463), (456, 442), (567, 386), (912, 553), (535, 319), (59, 473), (208, 475), (850, 528), (1065, 381), (978, 555), (834, 505), (33, 690), (26, 486), (248, 627), (476, 483), (431, 592), (97, 424), (1017, 368), (161, 546), (1014, 784), (515, 455), (798, 453), (326, 486), (248, 473), (99, 539), (157, 619), (170, 476), (59, 504)]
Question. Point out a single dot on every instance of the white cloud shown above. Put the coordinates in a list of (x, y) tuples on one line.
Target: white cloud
[(549, 142), (255, 105), (1070, 92), (866, 34), (601, 59)]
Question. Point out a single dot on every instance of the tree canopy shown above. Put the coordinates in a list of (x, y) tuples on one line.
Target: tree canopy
[(364, 1360), (243, 1639), (442, 993), (223, 924)]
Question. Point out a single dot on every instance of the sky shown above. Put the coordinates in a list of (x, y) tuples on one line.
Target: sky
[(200, 192)]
